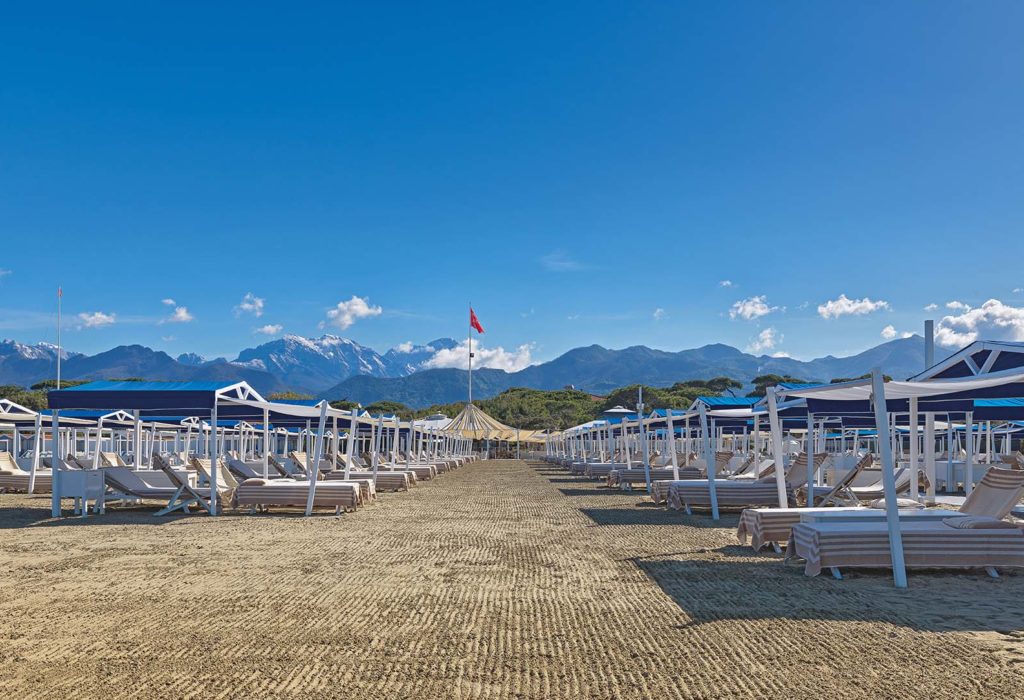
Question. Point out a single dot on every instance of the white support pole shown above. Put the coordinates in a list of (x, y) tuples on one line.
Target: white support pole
[(810, 459), (914, 443), (929, 456), (214, 458), (266, 443), (777, 447), (137, 437), (36, 449), (892, 514), (671, 443), (969, 459), (709, 460), (313, 468), (55, 450)]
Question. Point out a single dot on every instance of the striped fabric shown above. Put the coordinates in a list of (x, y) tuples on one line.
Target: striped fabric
[(285, 492), (599, 470), (637, 476), (386, 481), (14, 478), (998, 492), (773, 525), (730, 494), (925, 545)]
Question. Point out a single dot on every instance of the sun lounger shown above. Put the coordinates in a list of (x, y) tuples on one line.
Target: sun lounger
[(636, 475), (125, 481), (995, 496), (262, 493), (14, 478), (112, 459), (367, 487), (962, 542), (734, 494)]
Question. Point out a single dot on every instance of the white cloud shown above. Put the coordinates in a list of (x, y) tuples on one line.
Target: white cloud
[(781, 353), (96, 319), (725, 283), (168, 338), (659, 314), (1016, 290), (931, 307), (844, 306), (559, 261), (993, 320), (572, 317), (168, 302), (889, 332), (269, 329), (348, 312), (405, 347), (957, 306), (754, 307), (496, 358), (906, 334), (180, 315), (766, 340), (4, 272), (251, 304)]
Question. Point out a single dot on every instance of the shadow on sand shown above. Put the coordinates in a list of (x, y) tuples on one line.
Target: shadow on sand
[(763, 588)]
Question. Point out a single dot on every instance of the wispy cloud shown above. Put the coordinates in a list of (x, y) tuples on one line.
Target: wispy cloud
[(766, 340), (496, 358), (250, 304), (844, 306), (95, 319), (180, 314), (559, 261), (931, 307), (659, 314), (345, 313), (269, 329), (168, 302), (752, 308), (726, 283), (4, 272)]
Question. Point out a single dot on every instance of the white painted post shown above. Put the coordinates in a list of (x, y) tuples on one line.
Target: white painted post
[(314, 467), (914, 491), (214, 458), (671, 442), (929, 456), (55, 450), (810, 459), (969, 459), (892, 514), (777, 447), (709, 460)]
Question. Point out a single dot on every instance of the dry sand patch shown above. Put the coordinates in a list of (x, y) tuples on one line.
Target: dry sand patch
[(500, 579)]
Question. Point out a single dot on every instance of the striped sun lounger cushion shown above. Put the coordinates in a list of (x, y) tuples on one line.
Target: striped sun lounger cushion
[(730, 494), (285, 492), (925, 545), (637, 476), (773, 525)]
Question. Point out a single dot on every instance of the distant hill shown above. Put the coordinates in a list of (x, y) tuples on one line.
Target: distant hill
[(597, 370)]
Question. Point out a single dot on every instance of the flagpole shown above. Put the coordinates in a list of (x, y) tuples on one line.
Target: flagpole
[(60, 295), (469, 338)]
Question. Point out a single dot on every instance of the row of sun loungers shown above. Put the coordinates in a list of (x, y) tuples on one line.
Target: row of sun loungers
[(238, 483)]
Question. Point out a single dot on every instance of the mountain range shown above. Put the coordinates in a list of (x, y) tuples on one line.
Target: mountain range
[(598, 370), (339, 368)]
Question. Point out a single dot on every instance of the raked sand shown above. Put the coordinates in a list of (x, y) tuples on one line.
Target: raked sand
[(501, 579)]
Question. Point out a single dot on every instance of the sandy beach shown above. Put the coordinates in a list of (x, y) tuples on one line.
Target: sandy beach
[(499, 580)]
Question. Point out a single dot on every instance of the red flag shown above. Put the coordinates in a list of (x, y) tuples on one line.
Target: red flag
[(474, 322)]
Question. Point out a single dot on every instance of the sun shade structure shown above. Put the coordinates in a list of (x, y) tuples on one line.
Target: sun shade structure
[(474, 424)]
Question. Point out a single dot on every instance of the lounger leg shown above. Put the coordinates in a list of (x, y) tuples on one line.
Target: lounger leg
[(836, 573), (776, 547), (991, 571), (686, 507)]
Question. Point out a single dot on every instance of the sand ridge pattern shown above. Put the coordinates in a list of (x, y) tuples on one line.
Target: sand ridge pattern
[(502, 579)]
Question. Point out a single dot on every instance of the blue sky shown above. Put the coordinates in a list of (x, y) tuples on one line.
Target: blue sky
[(583, 173)]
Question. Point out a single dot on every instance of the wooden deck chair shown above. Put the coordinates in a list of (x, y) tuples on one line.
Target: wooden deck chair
[(840, 493), (112, 459), (185, 495)]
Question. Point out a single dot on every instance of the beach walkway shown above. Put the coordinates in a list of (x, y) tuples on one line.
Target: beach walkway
[(501, 579)]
